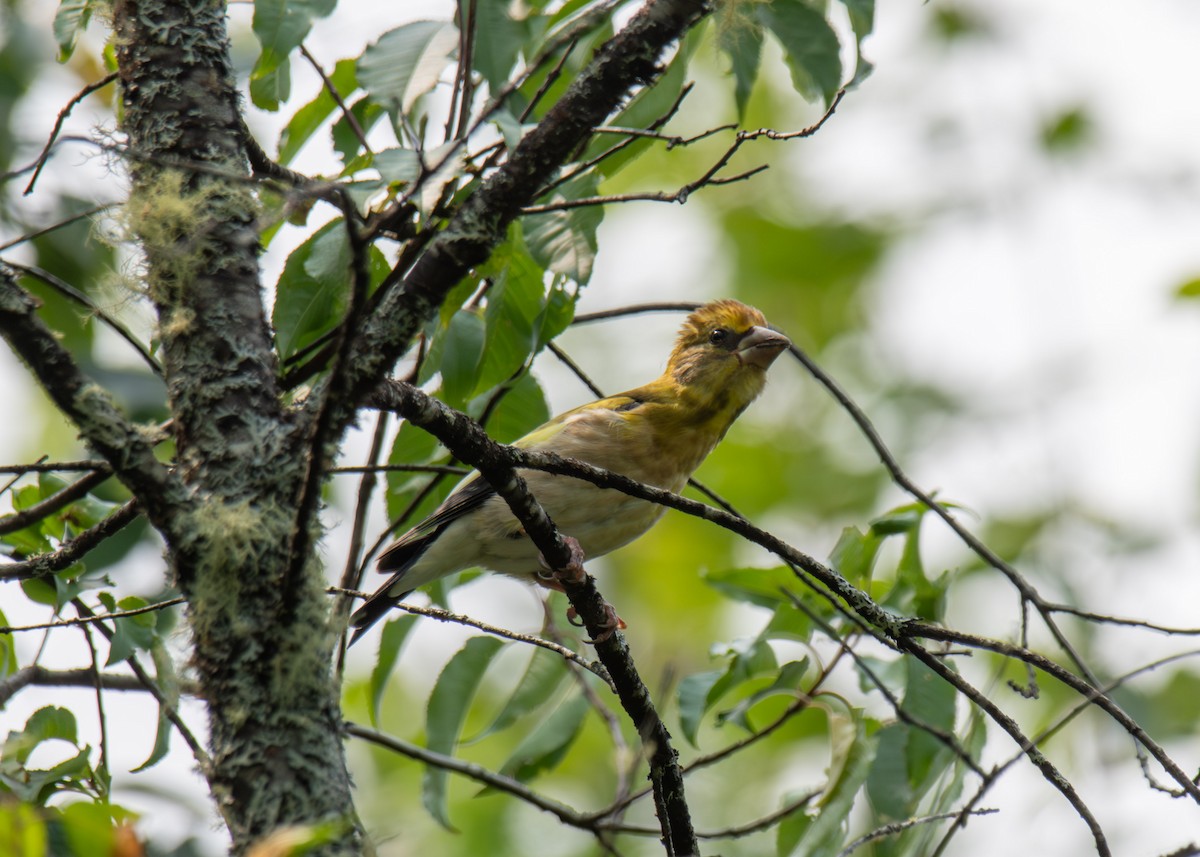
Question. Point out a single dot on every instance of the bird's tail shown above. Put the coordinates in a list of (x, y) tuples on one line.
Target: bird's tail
[(374, 609)]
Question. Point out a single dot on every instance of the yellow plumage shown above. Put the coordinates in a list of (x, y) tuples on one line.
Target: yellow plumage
[(657, 434)]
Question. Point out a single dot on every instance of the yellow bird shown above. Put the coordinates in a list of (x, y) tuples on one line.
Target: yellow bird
[(657, 434)]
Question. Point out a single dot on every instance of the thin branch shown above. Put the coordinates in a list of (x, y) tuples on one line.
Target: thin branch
[(36, 676), (93, 617), (901, 826), (347, 113), (680, 196), (469, 769), (567, 654), (61, 224), (67, 290), (73, 550), (44, 466), (48, 506), (44, 157), (467, 441)]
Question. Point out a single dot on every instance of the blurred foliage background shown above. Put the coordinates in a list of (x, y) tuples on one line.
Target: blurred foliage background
[(991, 245)]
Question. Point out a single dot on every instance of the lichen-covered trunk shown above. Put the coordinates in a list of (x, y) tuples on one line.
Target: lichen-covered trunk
[(240, 541)]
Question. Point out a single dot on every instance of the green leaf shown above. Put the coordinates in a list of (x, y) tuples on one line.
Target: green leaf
[(544, 747), (854, 555), (168, 683), (462, 351), (557, 314), (498, 41), (446, 712), (513, 305), (70, 20), (810, 47), (786, 683), (406, 62), (131, 633), (564, 241), (345, 139), (543, 675), (8, 651), (740, 38), (311, 116), (764, 587), (311, 294), (693, 696), (851, 754), (862, 21), (281, 25), (89, 830), (398, 165), (44, 724), (22, 830), (395, 632), (522, 409), (269, 89)]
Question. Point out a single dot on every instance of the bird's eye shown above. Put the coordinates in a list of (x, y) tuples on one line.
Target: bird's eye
[(718, 336)]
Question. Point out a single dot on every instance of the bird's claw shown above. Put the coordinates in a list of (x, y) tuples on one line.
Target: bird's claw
[(572, 571), (612, 623)]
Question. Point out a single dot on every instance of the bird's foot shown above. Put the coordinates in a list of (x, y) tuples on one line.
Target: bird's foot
[(573, 571), (612, 623)]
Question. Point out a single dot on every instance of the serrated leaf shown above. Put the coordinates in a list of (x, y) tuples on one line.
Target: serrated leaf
[(305, 122), (446, 712), (810, 47), (311, 294), (70, 20), (395, 632), (544, 747), (406, 62), (47, 723)]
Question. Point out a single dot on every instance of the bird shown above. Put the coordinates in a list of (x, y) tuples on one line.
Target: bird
[(658, 434)]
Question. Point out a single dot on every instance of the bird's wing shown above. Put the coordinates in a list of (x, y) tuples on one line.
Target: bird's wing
[(474, 491), (471, 494)]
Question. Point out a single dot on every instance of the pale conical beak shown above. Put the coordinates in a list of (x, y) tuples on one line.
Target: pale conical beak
[(760, 346)]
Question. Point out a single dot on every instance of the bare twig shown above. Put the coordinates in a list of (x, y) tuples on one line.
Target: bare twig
[(40, 163)]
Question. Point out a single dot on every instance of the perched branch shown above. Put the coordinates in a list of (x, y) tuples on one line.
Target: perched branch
[(467, 441)]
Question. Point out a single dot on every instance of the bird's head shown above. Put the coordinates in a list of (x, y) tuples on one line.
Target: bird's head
[(723, 351)]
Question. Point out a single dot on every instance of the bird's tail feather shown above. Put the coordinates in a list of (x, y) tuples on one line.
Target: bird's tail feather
[(372, 610)]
